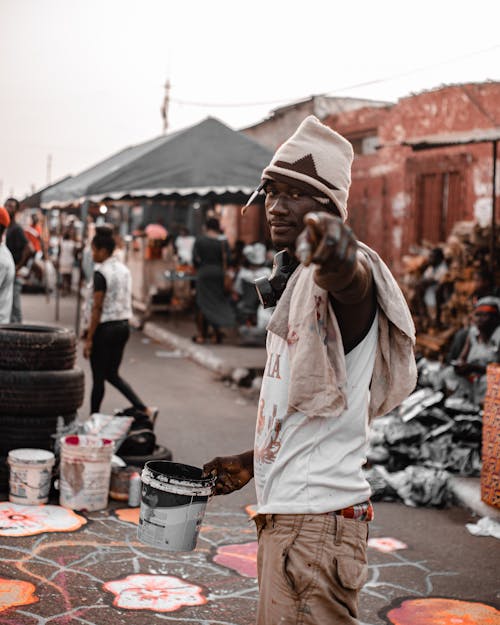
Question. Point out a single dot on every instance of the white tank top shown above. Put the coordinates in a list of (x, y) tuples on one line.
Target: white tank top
[(117, 303), (311, 466)]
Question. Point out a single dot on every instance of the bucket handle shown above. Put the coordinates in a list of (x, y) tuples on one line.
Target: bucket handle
[(39, 486)]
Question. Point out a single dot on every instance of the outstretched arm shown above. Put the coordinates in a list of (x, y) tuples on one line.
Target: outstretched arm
[(342, 270)]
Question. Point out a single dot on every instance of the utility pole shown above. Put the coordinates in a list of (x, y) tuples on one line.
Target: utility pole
[(49, 168), (165, 105)]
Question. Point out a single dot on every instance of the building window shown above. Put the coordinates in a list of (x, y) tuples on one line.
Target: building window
[(367, 144)]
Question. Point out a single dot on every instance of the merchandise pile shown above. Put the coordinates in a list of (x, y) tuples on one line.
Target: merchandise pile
[(417, 447), (466, 250)]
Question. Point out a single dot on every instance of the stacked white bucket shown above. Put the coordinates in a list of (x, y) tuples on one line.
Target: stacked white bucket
[(85, 472), (30, 475)]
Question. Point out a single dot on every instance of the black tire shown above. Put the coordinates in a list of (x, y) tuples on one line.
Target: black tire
[(36, 348), (24, 431), (43, 393)]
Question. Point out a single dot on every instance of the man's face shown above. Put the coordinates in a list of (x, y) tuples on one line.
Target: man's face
[(286, 205), (486, 321), (435, 258), (11, 208)]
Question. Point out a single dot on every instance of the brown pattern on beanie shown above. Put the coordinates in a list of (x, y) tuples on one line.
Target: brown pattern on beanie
[(318, 156), (306, 166)]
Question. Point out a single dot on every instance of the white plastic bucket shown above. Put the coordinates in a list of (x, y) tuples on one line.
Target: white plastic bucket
[(85, 472), (30, 475), (173, 501)]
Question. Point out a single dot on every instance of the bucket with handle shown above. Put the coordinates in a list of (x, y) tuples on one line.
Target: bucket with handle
[(85, 472), (173, 501), (30, 475)]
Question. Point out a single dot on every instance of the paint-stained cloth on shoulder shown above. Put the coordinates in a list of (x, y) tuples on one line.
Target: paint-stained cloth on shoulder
[(305, 318)]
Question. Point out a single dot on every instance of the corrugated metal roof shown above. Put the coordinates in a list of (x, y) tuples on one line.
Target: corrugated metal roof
[(478, 135)]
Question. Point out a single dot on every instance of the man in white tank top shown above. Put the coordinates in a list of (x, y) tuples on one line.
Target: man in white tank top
[(323, 375)]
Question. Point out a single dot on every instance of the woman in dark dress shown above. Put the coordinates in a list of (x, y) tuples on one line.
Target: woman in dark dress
[(210, 257)]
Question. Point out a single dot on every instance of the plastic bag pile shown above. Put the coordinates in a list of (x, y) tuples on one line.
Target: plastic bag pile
[(414, 449)]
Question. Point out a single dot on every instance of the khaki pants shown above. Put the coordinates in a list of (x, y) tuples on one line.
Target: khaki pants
[(311, 568)]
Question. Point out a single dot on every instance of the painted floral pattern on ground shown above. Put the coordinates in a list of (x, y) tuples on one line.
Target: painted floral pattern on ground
[(129, 515), (18, 520), (440, 611), (160, 593), (251, 510), (386, 545), (242, 558), (70, 572), (14, 593)]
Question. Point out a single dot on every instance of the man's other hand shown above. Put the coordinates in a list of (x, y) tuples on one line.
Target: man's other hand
[(231, 472)]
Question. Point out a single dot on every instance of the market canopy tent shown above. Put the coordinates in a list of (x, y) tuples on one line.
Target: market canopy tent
[(208, 158), (34, 200), (74, 189)]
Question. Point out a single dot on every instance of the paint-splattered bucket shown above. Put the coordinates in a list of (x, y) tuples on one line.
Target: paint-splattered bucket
[(173, 501), (30, 475), (85, 472)]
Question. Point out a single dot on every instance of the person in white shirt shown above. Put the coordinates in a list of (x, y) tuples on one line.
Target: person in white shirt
[(339, 352), (184, 243), (108, 330), (7, 271), (67, 253)]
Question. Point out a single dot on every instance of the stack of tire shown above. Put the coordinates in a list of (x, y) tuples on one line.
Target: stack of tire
[(40, 387)]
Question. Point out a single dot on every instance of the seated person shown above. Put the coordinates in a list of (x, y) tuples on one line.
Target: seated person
[(466, 376), (484, 286)]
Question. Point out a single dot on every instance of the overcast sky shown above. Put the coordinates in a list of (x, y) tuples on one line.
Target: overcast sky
[(82, 79)]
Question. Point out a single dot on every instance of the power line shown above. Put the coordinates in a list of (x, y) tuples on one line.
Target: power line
[(416, 70), (339, 89)]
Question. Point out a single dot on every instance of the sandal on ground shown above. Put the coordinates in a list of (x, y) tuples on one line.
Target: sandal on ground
[(198, 339)]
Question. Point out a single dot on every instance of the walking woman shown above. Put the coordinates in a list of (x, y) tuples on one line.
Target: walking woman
[(108, 330), (211, 258)]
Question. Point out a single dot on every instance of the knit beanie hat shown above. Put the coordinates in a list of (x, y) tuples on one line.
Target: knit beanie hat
[(4, 217), (320, 157)]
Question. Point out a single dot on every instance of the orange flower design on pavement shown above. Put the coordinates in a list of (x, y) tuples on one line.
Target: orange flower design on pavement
[(438, 611), (130, 515), (251, 510), (17, 520), (241, 557), (159, 593), (14, 593)]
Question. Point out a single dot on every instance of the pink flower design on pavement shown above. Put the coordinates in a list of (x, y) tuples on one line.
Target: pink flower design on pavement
[(386, 545), (241, 557), (159, 593), (18, 520)]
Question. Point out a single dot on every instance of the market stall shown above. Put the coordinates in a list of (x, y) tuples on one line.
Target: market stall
[(177, 178)]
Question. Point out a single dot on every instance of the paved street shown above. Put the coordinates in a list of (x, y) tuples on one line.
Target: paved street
[(94, 571)]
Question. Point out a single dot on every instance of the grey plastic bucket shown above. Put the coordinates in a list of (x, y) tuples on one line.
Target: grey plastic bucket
[(173, 501)]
